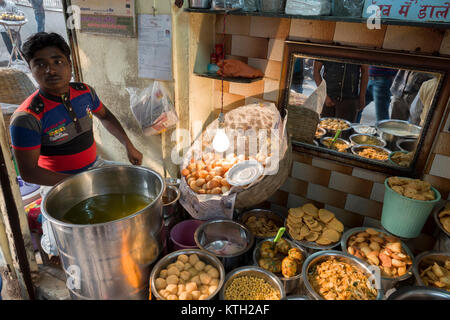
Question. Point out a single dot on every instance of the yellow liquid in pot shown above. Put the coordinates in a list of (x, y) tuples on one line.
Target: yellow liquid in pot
[(106, 208)]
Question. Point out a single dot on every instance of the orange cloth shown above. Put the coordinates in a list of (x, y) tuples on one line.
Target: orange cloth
[(236, 68)]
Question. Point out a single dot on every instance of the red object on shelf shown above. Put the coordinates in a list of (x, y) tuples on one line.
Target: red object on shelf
[(219, 52), (213, 59)]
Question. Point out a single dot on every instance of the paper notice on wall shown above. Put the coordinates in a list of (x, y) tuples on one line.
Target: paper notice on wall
[(155, 47)]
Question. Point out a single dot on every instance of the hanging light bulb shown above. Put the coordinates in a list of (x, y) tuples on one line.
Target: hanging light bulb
[(221, 143)]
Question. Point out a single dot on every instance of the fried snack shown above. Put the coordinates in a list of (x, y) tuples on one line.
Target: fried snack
[(337, 145), (289, 267), (333, 124), (372, 153), (270, 264), (436, 275), (412, 188), (402, 159), (268, 250), (382, 250), (335, 280), (320, 226), (261, 226), (444, 217)]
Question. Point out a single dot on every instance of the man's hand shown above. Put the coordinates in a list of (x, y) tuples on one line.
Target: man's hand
[(329, 102), (134, 155)]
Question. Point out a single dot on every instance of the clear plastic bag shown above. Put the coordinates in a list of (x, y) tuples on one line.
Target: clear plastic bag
[(227, 4), (308, 7), (153, 108), (348, 8)]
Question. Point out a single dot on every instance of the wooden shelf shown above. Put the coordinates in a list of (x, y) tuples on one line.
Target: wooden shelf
[(438, 25), (218, 77)]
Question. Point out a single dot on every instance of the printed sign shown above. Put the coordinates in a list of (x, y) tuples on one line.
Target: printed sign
[(412, 10)]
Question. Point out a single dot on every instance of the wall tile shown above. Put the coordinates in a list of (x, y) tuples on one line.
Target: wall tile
[(363, 206), (405, 38), (280, 198), (251, 47), (372, 223), (270, 68), (441, 166), (445, 45), (312, 30), (331, 165), (423, 242), (350, 184), (443, 144), (357, 34), (369, 175), (271, 90), (279, 209), (295, 186), (309, 173), (254, 89), (218, 86), (377, 192), (349, 219), (269, 27), (325, 195), (301, 157), (230, 101), (275, 50), (297, 201), (239, 25)]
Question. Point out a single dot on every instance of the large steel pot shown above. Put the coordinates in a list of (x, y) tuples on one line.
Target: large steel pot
[(109, 260), (392, 130)]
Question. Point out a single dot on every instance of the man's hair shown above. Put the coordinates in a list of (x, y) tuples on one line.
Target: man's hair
[(41, 40)]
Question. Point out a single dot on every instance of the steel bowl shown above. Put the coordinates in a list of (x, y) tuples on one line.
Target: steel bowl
[(290, 284), (406, 144), (200, 4), (217, 235), (312, 247), (419, 293), (338, 139), (426, 259), (345, 134), (356, 149), (364, 129), (322, 132), (386, 282), (322, 256), (394, 153), (170, 199), (259, 213), (204, 256), (393, 130), (366, 139), (253, 271), (438, 222)]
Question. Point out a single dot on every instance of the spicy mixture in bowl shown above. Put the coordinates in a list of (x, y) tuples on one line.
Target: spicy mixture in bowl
[(337, 280)]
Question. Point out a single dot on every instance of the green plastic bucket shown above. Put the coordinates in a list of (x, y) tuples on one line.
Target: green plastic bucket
[(405, 217)]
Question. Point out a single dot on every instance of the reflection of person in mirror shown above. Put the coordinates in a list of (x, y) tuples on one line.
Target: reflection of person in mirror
[(378, 91), (346, 88), (425, 99), (298, 76), (404, 90)]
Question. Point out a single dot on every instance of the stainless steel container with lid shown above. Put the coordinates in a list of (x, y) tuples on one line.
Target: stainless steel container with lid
[(230, 241), (110, 260), (393, 130)]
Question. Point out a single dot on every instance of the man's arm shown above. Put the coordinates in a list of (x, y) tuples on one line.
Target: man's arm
[(27, 163), (363, 86), (318, 79), (113, 125)]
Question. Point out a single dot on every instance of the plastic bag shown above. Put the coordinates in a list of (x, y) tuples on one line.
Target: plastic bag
[(308, 7), (153, 108), (348, 8)]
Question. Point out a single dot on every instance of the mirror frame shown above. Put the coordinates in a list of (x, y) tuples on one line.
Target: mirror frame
[(380, 57)]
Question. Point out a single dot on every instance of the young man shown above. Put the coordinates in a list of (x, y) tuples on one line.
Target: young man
[(51, 132), (346, 88)]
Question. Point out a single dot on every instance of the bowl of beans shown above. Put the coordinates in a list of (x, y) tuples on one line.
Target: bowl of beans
[(252, 283), (189, 274), (332, 125)]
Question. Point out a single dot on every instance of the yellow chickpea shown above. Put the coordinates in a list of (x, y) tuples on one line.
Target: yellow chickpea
[(173, 271), (199, 265), (183, 258), (196, 294), (160, 283), (191, 286), (185, 296), (172, 288), (173, 279), (193, 258), (204, 278)]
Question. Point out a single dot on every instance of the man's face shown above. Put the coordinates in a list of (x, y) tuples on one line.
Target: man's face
[(52, 70)]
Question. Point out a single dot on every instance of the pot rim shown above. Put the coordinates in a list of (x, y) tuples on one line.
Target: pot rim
[(55, 221)]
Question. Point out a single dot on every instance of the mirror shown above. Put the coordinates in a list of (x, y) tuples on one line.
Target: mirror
[(371, 112)]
